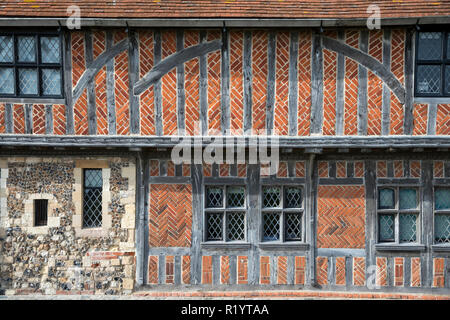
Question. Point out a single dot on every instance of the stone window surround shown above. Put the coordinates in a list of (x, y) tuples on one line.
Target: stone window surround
[(28, 217), (3, 196)]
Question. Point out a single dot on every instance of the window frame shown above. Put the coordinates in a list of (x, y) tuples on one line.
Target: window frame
[(37, 65), (396, 212), (225, 210), (440, 212), (83, 226), (283, 211), (445, 61), (37, 222)]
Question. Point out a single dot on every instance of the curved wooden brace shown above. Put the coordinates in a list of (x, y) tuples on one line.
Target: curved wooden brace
[(172, 61), (370, 63), (95, 66)]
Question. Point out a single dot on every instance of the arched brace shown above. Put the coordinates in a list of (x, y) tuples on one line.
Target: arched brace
[(172, 61), (370, 63)]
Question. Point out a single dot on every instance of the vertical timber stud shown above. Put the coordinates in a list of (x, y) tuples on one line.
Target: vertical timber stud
[(371, 194), (48, 119), (362, 86), (133, 66), (427, 224), (247, 65), (271, 73), (432, 114), (146, 202), (70, 129), (340, 88), (181, 98), (293, 84), (140, 221), (9, 118), (92, 112), (409, 66), (254, 222), (311, 188), (197, 222), (203, 90), (110, 95), (28, 118), (316, 85), (225, 83), (386, 98), (157, 86)]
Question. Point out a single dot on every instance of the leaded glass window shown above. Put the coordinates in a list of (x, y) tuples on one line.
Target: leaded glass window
[(92, 198), (442, 215), (398, 214), (282, 213), (433, 64), (30, 65), (225, 213)]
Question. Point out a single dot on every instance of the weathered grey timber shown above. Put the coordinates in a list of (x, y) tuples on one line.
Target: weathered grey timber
[(340, 88), (293, 84), (197, 223), (408, 125), (133, 76), (157, 52), (9, 124), (362, 85), (140, 221), (253, 221), (164, 66), (386, 97), (181, 96), (67, 57), (225, 83), (371, 212), (316, 85), (48, 119), (28, 113), (110, 84), (432, 114), (247, 66), (92, 110), (427, 222), (271, 72)]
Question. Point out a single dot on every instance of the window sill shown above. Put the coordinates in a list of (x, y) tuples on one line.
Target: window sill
[(284, 245), (432, 99), (441, 247), (34, 100), (400, 247), (226, 245)]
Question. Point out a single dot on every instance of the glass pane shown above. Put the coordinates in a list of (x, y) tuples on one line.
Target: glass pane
[(442, 228), (6, 49), (430, 46), (93, 178), (26, 49), (442, 199), (271, 225), (293, 226), (214, 197), (447, 79), (215, 225), (28, 81), (51, 82), (50, 49), (448, 46), (6, 81), (386, 225), (408, 198), (235, 226), (235, 197), (386, 199), (293, 197), (92, 208), (429, 79), (272, 197), (408, 227)]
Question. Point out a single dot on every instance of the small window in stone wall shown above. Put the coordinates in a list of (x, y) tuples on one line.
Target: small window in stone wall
[(282, 212), (398, 214), (40, 212), (442, 215), (92, 198), (225, 208)]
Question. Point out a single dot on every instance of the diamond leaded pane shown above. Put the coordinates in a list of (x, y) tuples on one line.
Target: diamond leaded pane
[(429, 79), (408, 198), (442, 228), (51, 82), (235, 226), (386, 225), (293, 226), (214, 197), (215, 225), (272, 197), (442, 199), (293, 197), (447, 79), (50, 50), (386, 199), (448, 46), (408, 227), (235, 197), (430, 46), (92, 208), (26, 49), (6, 81), (271, 226), (6, 49), (93, 178), (28, 82)]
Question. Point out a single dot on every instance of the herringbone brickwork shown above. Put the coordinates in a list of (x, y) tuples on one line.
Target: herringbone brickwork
[(281, 109), (341, 169), (304, 83), (214, 83), (415, 168), (154, 168), (169, 86), (207, 170), (186, 269), (224, 170), (374, 85), (146, 100), (420, 119), (340, 271), (78, 56), (323, 169), (207, 269), (121, 88), (351, 87), (170, 215), (359, 271), (381, 169), (381, 272), (300, 269), (438, 169), (438, 272), (170, 272), (59, 119), (39, 119), (399, 272), (153, 269), (80, 115), (170, 168), (282, 171), (236, 82), (322, 271), (19, 118), (101, 102), (341, 217), (358, 169), (242, 269), (264, 269), (242, 170), (2, 118), (225, 270), (259, 79), (398, 169), (397, 68), (300, 169), (282, 270), (191, 86), (416, 272), (443, 119), (329, 89)]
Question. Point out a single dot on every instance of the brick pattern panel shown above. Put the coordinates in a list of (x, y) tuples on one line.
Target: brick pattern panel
[(398, 272), (186, 270), (186, 170), (359, 271), (358, 169), (398, 169), (170, 169), (420, 116), (224, 170), (300, 169), (329, 89), (153, 269), (282, 270), (397, 68), (207, 170), (101, 102), (170, 272), (282, 171), (304, 83), (214, 76), (340, 271), (381, 169), (19, 118), (80, 114), (169, 86), (415, 272), (281, 109), (146, 100), (415, 169), (300, 270), (341, 217), (236, 82), (438, 273), (341, 169), (438, 169), (154, 168), (242, 170), (225, 270), (381, 272), (322, 270), (264, 269), (323, 169), (59, 119), (78, 56), (242, 268), (443, 119), (206, 269), (170, 218), (259, 79), (98, 43), (374, 85), (351, 87), (2, 118), (191, 87), (121, 88), (39, 119)]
